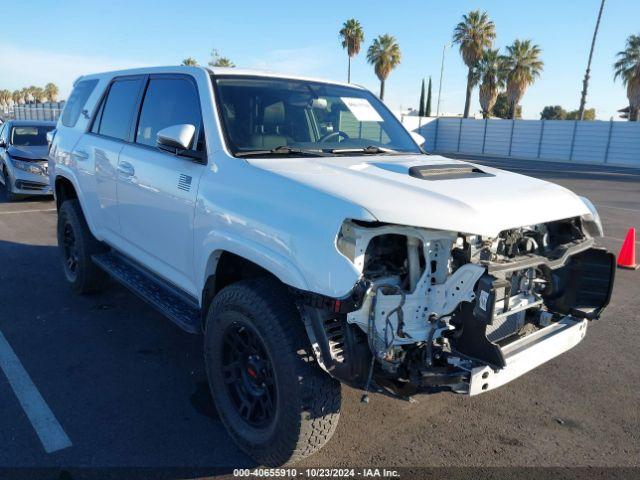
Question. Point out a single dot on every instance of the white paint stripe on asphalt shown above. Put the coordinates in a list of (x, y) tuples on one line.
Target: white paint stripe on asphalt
[(44, 422), (30, 211)]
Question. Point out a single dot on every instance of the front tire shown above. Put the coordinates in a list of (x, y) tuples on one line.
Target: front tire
[(77, 245), (274, 400), (8, 187)]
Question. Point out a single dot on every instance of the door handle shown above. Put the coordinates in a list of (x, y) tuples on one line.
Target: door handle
[(126, 169), (79, 155)]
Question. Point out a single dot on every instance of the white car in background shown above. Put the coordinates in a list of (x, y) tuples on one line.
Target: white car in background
[(23, 158), (300, 226)]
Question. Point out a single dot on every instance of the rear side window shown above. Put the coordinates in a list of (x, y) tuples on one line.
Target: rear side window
[(114, 118), (76, 101), (167, 102)]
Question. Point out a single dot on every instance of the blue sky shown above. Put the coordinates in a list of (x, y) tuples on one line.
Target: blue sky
[(43, 41)]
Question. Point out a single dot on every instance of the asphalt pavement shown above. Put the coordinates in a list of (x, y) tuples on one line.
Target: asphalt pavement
[(128, 388)]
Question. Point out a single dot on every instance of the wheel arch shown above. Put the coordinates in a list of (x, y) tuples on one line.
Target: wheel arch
[(226, 265), (64, 190), (65, 187)]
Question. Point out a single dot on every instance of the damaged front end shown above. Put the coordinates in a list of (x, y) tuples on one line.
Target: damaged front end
[(443, 310)]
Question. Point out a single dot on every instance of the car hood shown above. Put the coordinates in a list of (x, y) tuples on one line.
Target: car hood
[(483, 203), (30, 153)]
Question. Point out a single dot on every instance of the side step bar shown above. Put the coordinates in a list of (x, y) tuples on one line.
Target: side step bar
[(178, 306)]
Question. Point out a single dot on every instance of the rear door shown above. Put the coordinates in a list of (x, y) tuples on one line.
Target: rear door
[(97, 152), (156, 189)]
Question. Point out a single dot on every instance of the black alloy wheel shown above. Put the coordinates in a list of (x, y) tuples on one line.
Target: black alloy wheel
[(70, 251), (248, 375)]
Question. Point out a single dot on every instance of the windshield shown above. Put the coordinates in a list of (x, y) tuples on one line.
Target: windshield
[(30, 136), (261, 114)]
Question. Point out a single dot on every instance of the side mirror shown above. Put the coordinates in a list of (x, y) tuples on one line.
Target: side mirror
[(177, 137), (419, 139), (3, 144), (50, 134)]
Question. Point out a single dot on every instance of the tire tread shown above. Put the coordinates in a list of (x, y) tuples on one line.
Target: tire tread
[(319, 397)]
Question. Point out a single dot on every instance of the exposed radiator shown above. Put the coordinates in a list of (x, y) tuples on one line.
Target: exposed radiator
[(503, 327)]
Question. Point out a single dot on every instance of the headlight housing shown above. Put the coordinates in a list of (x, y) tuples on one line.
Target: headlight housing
[(592, 221), (30, 167)]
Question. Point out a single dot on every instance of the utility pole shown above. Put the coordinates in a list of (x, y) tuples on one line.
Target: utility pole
[(444, 49), (585, 82)]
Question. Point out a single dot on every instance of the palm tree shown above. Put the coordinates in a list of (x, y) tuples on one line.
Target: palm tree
[(218, 61), (26, 94), (627, 67), (16, 96), (38, 94), (585, 82), (492, 72), (384, 54), (473, 34), (524, 64), (5, 97), (352, 38), (51, 92), (190, 62)]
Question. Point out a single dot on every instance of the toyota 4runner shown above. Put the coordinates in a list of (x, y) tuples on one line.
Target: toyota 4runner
[(300, 227)]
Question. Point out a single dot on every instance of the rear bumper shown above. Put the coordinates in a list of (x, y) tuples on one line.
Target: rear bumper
[(527, 353)]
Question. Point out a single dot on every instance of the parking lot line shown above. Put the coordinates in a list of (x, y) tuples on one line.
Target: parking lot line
[(30, 211), (44, 422)]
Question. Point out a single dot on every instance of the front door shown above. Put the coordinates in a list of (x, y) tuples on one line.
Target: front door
[(157, 190)]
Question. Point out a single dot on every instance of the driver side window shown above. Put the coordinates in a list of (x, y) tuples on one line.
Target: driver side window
[(167, 102)]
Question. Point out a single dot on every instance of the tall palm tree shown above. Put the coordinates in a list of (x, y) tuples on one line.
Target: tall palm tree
[(384, 54), (51, 92), (473, 34), (627, 67), (492, 72), (190, 62), (524, 64), (352, 38), (585, 82)]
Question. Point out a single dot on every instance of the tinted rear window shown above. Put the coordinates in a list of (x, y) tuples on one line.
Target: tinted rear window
[(115, 116), (76, 102)]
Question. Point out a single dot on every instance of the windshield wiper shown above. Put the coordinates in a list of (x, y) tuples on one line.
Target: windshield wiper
[(369, 150), (283, 150)]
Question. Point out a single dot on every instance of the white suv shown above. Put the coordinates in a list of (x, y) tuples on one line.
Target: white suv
[(302, 228)]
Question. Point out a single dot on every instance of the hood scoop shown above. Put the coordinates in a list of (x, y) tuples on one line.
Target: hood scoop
[(447, 171)]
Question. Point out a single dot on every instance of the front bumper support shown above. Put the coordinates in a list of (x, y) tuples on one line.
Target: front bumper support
[(529, 352)]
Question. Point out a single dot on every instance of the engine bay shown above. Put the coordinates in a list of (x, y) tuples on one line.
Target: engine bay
[(439, 304)]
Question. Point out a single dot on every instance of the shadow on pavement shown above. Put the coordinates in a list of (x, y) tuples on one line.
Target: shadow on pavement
[(127, 385)]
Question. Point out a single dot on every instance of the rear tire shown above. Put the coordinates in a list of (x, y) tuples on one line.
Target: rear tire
[(77, 245), (273, 398)]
